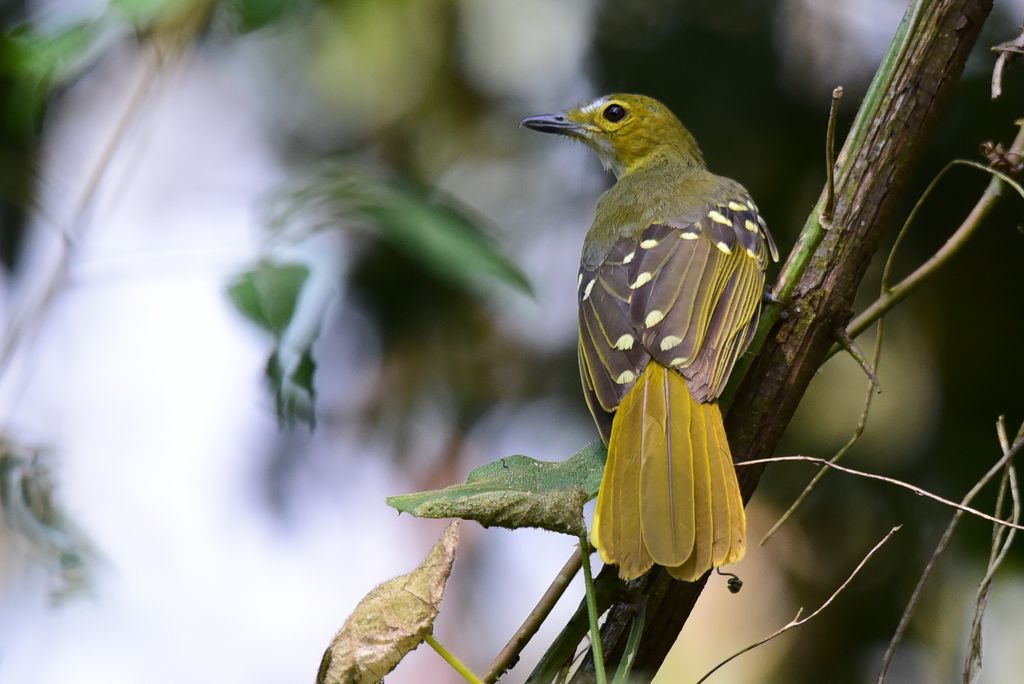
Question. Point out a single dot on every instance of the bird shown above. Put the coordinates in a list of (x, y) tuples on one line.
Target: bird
[(670, 287)]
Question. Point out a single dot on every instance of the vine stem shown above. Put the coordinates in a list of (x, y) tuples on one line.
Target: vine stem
[(452, 660), (986, 203)]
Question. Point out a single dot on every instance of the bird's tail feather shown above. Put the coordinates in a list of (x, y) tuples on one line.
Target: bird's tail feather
[(669, 493)]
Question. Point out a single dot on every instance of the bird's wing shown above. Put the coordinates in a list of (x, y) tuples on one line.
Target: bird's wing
[(696, 286), (686, 292), (610, 352)]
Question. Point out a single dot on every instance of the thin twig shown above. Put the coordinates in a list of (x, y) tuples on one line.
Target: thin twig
[(847, 343), (797, 621), (915, 597), (899, 483), (987, 202), (508, 655), (997, 553), (858, 430), (828, 211)]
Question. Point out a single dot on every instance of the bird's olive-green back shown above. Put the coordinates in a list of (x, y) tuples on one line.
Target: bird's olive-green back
[(663, 190)]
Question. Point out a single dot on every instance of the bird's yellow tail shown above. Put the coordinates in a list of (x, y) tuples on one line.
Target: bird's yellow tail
[(669, 494)]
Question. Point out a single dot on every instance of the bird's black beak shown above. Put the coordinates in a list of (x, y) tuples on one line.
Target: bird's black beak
[(551, 123)]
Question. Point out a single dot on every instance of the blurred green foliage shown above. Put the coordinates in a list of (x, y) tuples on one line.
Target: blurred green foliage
[(268, 295), (426, 226)]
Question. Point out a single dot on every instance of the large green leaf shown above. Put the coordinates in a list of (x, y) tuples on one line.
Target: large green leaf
[(518, 491)]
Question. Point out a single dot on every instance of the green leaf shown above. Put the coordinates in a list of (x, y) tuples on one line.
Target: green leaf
[(440, 234), (393, 619), (253, 15), (267, 294), (42, 58), (518, 491)]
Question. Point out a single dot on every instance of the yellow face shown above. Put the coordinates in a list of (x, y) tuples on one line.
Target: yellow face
[(622, 129)]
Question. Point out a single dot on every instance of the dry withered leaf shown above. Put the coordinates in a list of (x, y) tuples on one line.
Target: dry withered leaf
[(391, 620)]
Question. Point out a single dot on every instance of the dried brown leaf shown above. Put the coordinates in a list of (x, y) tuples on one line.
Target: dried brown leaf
[(391, 620)]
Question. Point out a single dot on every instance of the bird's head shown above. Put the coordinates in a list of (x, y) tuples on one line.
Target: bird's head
[(626, 131)]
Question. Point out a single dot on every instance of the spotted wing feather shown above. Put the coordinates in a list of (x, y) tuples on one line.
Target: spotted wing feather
[(699, 290), (611, 355)]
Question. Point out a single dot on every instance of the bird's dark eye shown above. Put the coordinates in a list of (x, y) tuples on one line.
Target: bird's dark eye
[(614, 113)]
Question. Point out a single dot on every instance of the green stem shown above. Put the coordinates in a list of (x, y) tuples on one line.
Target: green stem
[(595, 632), (636, 631), (894, 295), (450, 658)]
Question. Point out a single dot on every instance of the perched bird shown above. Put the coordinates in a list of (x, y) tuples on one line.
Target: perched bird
[(669, 289)]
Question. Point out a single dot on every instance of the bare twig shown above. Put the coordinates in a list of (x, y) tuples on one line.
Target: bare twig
[(1006, 51), (797, 621), (915, 597), (972, 662), (890, 296), (829, 209), (858, 430), (847, 343), (899, 483), (508, 655)]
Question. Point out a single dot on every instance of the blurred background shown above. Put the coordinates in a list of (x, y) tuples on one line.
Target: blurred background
[(265, 263)]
